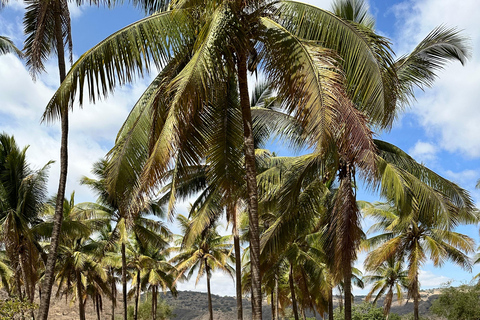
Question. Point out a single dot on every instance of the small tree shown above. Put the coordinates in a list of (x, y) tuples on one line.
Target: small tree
[(460, 303), (364, 311)]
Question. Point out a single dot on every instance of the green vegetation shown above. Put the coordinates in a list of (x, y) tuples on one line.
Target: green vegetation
[(163, 310), (195, 131), (460, 303), (15, 309), (363, 311)]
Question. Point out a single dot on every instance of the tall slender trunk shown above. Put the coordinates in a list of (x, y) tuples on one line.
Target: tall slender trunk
[(340, 303), (292, 292), (49, 276), (416, 298), (81, 306), (330, 304), (304, 316), (277, 314), (210, 308), (347, 288), (124, 281), (154, 303), (26, 280), (137, 295), (251, 177), (238, 260), (18, 284), (388, 303), (272, 303), (114, 293), (98, 305)]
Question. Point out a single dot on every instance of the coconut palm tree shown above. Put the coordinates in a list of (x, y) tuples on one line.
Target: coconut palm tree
[(158, 275), (148, 267), (146, 231), (389, 276), (7, 46), (47, 26), (207, 253), (229, 35), (78, 267), (408, 236), (22, 195)]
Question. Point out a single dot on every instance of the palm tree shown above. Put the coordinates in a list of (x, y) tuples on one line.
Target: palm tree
[(158, 275), (148, 266), (47, 26), (78, 269), (78, 265), (207, 253), (7, 46), (389, 276), (229, 34), (22, 195), (409, 236), (146, 231)]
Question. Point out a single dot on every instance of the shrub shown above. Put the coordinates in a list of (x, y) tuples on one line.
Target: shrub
[(461, 303), (13, 308), (164, 311)]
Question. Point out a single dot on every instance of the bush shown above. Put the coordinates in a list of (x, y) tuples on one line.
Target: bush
[(164, 311), (13, 308), (364, 311), (461, 303)]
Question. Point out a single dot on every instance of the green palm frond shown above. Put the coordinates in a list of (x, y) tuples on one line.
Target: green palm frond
[(119, 58), (366, 57), (354, 10), (7, 46), (419, 68), (41, 22)]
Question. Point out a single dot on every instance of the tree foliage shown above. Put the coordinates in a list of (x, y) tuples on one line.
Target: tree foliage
[(458, 303)]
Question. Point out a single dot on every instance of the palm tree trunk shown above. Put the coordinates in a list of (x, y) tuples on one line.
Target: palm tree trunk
[(19, 291), (81, 307), (238, 260), (114, 293), (97, 298), (251, 177), (124, 281), (388, 303), (277, 315), (26, 281), (49, 276), (416, 298), (137, 295), (330, 304), (154, 303), (272, 303), (347, 287), (210, 307), (304, 316), (292, 292)]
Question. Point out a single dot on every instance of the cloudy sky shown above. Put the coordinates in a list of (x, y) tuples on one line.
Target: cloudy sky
[(441, 129)]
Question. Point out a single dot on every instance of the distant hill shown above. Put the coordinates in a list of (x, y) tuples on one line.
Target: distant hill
[(191, 305)]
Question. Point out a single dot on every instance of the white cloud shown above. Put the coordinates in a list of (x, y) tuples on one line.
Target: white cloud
[(449, 111), (220, 283), (423, 152), (466, 177), (430, 280), (92, 129)]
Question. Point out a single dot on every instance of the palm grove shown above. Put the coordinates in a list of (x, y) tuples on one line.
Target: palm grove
[(199, 131)]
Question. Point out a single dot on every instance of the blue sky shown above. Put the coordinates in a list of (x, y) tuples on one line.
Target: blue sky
[(440, 129)]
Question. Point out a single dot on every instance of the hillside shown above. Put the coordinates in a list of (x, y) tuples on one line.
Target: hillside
[(190, 305)]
